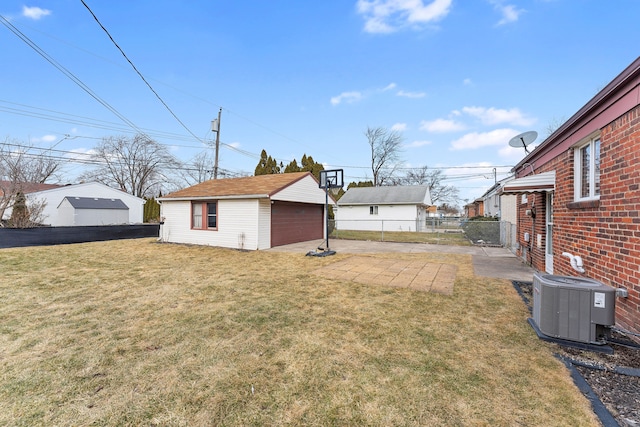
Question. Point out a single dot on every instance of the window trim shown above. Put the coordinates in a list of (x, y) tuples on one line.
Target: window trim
[(204, 215), (594, 184)]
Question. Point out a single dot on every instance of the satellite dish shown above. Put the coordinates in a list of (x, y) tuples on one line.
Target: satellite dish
[(523, 140)]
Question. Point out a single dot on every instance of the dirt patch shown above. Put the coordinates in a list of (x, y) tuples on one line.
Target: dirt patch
[(612, 377), (413, 274)]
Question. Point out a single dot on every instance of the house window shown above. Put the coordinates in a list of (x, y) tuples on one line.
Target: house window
[(373, 210), (587, 170), (212, 215), (204, 215)]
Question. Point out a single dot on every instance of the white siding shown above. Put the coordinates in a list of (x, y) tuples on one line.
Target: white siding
[(54, 197), (264, 224), (237, 224), (508, 211), (389, 218), (66, 214), (69, 216), (101, 216), (305, 190)]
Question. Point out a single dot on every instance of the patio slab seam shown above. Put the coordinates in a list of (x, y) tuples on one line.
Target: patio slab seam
[(411, 274)]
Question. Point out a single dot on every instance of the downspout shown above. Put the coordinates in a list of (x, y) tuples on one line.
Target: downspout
[(161, 223)]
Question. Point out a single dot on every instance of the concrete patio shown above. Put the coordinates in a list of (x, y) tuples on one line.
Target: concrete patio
[(413, 274)]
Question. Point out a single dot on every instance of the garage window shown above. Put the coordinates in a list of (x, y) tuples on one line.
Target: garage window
[(373, 210), (204, 215)]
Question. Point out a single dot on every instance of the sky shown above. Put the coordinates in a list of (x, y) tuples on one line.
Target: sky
[(457, 78)]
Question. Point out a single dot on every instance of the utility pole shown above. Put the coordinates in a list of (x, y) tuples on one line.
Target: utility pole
[(215, 127)]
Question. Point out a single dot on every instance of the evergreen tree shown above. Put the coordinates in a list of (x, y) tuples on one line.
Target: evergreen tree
[(360, 184), (151, 210), (267, 165), (292, 167), (20, 213), (309, 165)]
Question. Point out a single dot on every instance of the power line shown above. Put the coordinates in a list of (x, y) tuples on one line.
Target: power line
[(89, 159), (138, 72), (65, 71), (229, 111)]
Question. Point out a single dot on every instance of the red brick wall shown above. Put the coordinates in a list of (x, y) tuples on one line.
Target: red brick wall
[(606, 234)]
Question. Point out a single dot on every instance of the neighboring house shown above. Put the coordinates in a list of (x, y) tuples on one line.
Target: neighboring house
[(399, 208), (92, 211), (500, 205), (256, 212), (475, 208), (579, 193), (57, 214)]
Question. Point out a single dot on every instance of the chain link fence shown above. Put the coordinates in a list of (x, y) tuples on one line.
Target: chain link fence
[(445, 231)]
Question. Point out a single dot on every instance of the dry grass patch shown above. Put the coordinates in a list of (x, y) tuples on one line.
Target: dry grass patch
[(141, 333)]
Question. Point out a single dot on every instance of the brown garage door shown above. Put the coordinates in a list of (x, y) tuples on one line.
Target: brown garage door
[(295, 222)]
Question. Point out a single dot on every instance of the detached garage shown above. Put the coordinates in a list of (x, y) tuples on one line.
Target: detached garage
[(92, 211), (256, 212)]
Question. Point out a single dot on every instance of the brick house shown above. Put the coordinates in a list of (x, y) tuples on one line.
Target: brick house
[(475, 208), (579, 193)]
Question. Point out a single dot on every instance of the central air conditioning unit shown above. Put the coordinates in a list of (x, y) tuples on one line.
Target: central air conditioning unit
[(573, 308)]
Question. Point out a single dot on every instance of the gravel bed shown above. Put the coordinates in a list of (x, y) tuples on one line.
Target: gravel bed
[(614, 378)]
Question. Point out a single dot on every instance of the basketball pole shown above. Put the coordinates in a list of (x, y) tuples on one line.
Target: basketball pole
[(326, 214)]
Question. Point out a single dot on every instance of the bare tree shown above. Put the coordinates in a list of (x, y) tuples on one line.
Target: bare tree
[(20, 168), (386, 146), (440, 192), (434, 179), (200, 168), (554, 124), (137, 165)]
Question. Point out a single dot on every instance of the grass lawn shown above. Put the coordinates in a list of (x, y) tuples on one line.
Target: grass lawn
[(135, 332)]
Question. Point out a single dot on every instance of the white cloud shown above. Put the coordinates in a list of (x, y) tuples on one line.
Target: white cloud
[(387, 16), (467, 82), (81, 153), (509, 12), (441, 126), (34, 13), (411, 94), (389, 87), (475, 140), (494, 116), (347, 97), (416, 144), (45, 138), (512, 154), (400, 127)]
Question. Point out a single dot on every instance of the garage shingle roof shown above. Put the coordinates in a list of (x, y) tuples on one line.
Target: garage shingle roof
[(96, 203), (398, 195), (261, 185)]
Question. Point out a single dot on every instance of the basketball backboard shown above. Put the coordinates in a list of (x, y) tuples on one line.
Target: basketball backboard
[(331, 178)]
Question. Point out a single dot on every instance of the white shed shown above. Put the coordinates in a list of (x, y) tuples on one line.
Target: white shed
[(392, 208), (256, 212), (56, 213), (92, 211)]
